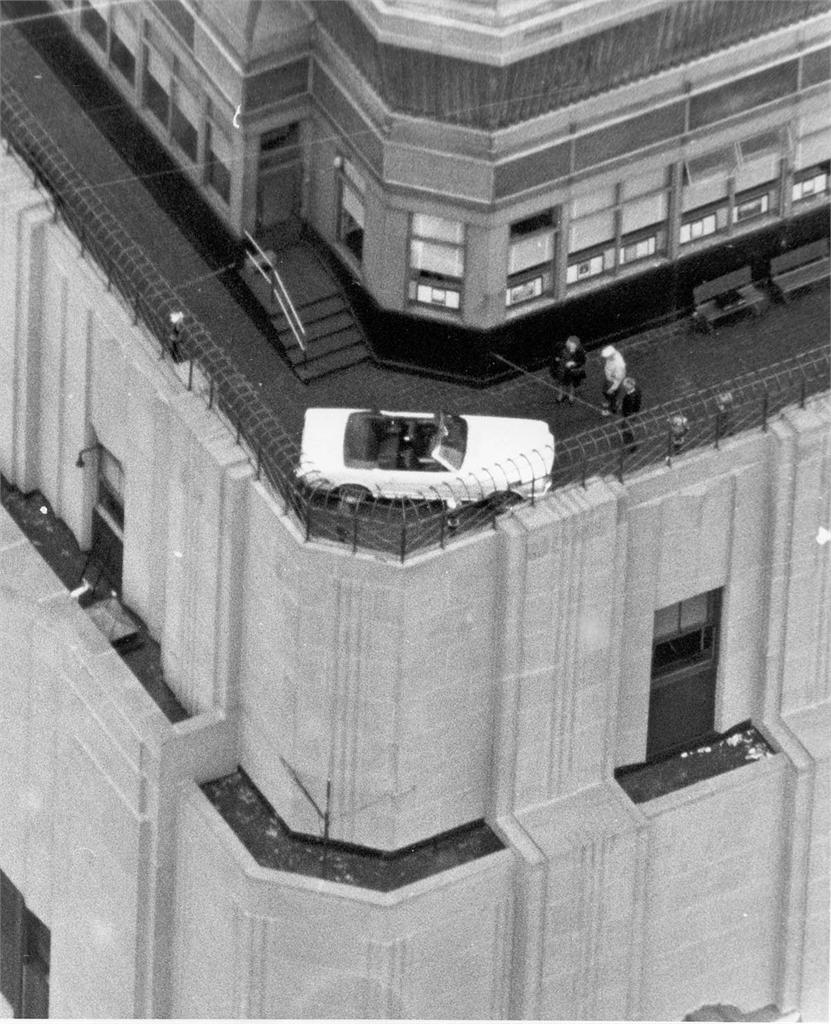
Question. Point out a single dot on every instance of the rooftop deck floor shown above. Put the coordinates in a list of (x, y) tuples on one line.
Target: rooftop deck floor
[(102, 138)]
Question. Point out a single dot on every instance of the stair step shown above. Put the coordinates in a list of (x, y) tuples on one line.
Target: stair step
[(318, 329), (317, 368), (317, 309), (323, 347)]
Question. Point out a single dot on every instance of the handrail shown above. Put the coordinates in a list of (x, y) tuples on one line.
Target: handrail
[(292, 319), (391, 530)]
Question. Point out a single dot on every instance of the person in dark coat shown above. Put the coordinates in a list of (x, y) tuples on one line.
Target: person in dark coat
[(175, 331), (568, 367), (630, 405)]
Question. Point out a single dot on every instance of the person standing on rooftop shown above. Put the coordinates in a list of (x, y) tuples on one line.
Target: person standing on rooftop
[(568, 367), (614, 370)]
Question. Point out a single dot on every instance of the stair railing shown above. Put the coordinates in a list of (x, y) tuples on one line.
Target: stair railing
[(278, 292)]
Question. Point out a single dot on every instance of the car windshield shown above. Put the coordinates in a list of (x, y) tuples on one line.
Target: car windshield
[(411, 443)]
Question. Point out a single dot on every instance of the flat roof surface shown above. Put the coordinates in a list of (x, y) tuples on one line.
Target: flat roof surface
[(174, 227)]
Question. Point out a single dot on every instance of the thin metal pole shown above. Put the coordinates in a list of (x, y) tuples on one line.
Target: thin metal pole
[(765, 411)]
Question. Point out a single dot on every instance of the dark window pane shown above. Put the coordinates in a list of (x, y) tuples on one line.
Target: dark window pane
[(94, 25), (106, 554), (219, 177), (682, 714), (155, 98), (122, 59), (183, 132), (688, 649), (532, 224), (180, 19)]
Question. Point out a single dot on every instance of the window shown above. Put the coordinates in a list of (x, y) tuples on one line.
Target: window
[(185, 116), (24, 955), (94, 23), (218, 170), (592, 235), (106, 554), (642, 245), (124, 42), (179, 18), (156, 86), (437, 261), (279, 146), (111, 490), (810, 183), (122, 59), (531, 257), (684, 662), (351, 220), (748, 208), (591, 266), (694, 229)]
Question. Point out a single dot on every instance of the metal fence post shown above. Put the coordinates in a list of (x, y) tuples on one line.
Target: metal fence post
[(621, 458), (802, 388), (718, 428), (765, 410), (259, 461), (190, 375), (211, 394), (443, 525)]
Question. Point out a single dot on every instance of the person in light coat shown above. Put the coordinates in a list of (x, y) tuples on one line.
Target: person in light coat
[(614, 372)]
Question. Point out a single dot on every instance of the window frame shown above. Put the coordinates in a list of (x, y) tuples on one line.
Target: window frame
[(432, 288), (350, 232), (812, 174), (537, 279), (686, 683)]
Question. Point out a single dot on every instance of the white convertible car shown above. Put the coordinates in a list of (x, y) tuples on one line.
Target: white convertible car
[(356, 453)]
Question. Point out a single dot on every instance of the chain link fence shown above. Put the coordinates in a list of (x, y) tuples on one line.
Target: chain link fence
[(390, 528)]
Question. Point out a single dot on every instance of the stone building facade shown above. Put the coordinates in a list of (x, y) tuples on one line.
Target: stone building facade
[(502, 680), (477, 164)]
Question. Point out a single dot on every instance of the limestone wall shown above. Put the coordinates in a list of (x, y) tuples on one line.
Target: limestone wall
[(503, 678), (288, 946)]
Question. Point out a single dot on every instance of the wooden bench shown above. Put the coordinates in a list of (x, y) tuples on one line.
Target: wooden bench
[(723, 296), (800, 267)]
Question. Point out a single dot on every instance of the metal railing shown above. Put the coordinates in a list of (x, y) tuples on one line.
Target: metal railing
[(400, 528), (278, 291)]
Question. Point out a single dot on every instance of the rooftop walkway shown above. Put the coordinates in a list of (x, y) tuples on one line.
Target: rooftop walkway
[(101, 137)]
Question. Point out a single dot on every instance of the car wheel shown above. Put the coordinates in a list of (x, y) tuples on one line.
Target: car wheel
[(352, 494)]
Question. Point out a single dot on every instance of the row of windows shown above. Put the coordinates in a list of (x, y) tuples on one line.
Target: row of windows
[(176, 105), (437, 245)]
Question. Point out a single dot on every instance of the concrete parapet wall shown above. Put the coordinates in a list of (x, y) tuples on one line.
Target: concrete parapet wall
[(288, 946)]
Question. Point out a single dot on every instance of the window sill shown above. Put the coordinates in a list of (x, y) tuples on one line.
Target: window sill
[(735, 748)]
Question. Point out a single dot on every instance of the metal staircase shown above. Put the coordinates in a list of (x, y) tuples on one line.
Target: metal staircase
[(310, 313)]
